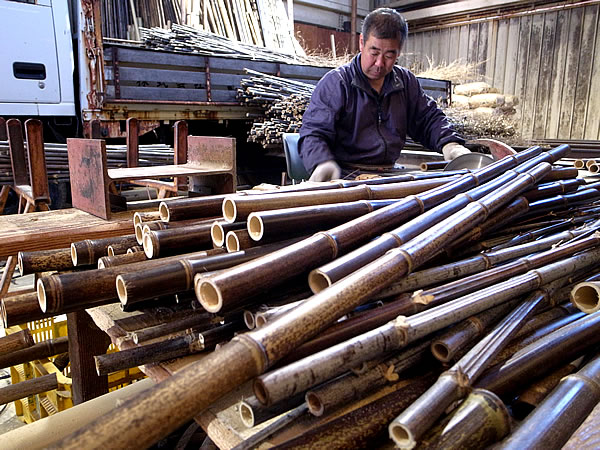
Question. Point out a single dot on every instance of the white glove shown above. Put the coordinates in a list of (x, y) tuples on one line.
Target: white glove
[(326, 171), (453, 150)]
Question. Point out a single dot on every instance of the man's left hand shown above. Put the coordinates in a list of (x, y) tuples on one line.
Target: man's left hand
[(453, 150)]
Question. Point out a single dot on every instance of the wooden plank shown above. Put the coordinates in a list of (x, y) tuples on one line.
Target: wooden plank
[(141, 74), (473, 43), (454, 44), (491, 50), (238, 65), (297, 71), (584, 72), (463, 44), (57, 229), (592, 123), (155, 57), (521, 73), (85, 341), (545, 76), (532, 75), (570, 79), (482, 49), (559, 56), (512, 57), (501, 52), (137, 173), (145, 93)]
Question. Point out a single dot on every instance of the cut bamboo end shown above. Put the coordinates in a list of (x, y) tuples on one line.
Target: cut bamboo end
[(74, 254), (249, 320), (232, 243), (137, 219), (594, 168), (318, 281), (20, 263), (121, 290), (209, 296), (440, 351), (247, 414), (260, 320), (139, 233), (41, 293), (217, 234), (102, 263), (151, 245), (589, 163), (401, 436), (256, 228), (315, 406), (579, 164), (110, 250), (229, 210), (586, 297), (260, 392), (163, 210)]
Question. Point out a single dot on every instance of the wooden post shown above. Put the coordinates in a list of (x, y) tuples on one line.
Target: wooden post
[(132, 142), (85, 341)]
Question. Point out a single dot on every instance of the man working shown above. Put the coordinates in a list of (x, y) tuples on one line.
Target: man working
[(361, 112)]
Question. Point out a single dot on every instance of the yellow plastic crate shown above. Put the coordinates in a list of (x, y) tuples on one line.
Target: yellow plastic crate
[(45, 404)]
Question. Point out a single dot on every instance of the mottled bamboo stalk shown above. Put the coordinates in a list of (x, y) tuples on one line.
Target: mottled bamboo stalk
[(410, 426), (325, 246), (44, 261), (194, 320), (238, 240), (309, 218), (351, 387), (249, 354), (191, 208), (16, 341), (40, 350), (480, 421), (21, 308), (118, 260), (219, 231), (358, 428), (118, 249), (541, 356), (27, 388), (586, 296), (266, 315), (551, 424), (89, 251), (176, 240), (139, 217)]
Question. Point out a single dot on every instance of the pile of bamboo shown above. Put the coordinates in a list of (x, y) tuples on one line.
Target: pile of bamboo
[(57, 162), (284, 100), (376, 304)]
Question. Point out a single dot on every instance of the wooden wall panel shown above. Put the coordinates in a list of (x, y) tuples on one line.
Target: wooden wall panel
[(549, 59)]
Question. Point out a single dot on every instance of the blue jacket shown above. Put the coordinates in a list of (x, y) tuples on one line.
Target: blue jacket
[(347, 120)]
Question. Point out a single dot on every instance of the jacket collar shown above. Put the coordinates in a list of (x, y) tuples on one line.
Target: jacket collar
[(392, 82)]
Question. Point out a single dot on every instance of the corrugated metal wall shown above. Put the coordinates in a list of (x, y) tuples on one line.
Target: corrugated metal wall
[(550, 60)]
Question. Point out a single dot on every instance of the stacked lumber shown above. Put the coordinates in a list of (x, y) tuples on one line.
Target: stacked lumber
[(57, 163), (416, 296)]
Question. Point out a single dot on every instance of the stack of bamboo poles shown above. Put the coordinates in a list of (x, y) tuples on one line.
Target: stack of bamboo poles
[(431, 290), (58, 165), (284, 100)]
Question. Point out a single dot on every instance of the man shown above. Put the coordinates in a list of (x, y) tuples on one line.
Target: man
[(361, 112)]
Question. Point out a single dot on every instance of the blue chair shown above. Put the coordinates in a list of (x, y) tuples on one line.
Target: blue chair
[(295, 168)]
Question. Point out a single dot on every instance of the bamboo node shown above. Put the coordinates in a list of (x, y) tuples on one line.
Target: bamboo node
[(419, 298), (390, 375)]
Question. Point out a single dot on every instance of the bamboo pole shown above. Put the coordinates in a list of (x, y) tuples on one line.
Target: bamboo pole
[(253, 412), (44, 261), (21, 308), (118, 260), (175, 240), (193, 320), (16, 341), (28, 387), (89, 250), (586, 436), (40, 350), (551, 424)]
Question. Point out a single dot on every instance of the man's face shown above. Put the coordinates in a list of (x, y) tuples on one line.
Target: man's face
[(378, 56)]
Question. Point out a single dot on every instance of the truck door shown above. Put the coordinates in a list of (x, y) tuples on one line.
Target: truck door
[(28, 54)]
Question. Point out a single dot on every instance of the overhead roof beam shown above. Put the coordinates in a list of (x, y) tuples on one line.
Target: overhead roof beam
[(458, 7)]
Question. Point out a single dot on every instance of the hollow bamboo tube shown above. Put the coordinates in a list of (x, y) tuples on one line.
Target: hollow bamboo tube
[(89, 250), (177, 274), (351, 387), (175, 240), (16, 341), (252, 353), (238, 208), (191, 208), (135, 249), (44, 261), (150, 353), (27, 388), (139, 217), (238, 240), (561, 173), (359, 427), (587, 436), (579, 163), (119, 260), (586, 296), (433, 165), (554, 349), (588, 163), (194, 320), (118, 249), (558, 202), (594, 168), (481, 420), (219, 231), (234, 284), (253, 412), (309, 218), (40, 350), (410, 426), (21, 308), (265, 315), (66, 291), (551, 424), (549, 189)]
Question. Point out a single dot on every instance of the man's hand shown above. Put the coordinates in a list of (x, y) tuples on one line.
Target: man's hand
[(453, 150), (326, 171)]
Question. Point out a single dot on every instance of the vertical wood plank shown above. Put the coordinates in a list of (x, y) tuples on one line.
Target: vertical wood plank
[(592, 122), (463, 44), (532, 74), (545, 76), (570, 79), (584, 72), (473, 43), (501, 52), (454, 44), (523, 58), (482, 49), (85, 341), (512, 56), (491, 51), (558, 73)]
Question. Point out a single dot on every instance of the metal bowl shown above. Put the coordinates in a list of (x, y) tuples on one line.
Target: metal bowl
[(469, 161)]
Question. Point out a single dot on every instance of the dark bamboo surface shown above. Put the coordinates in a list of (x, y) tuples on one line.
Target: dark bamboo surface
[(16, 341), (45, 261), (40, 350), (28, 388)]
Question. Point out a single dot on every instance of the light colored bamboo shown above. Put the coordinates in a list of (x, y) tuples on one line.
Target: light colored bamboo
[(586, 296)]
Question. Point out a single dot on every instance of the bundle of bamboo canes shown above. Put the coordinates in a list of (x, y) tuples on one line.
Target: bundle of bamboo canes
[(489, 258)]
